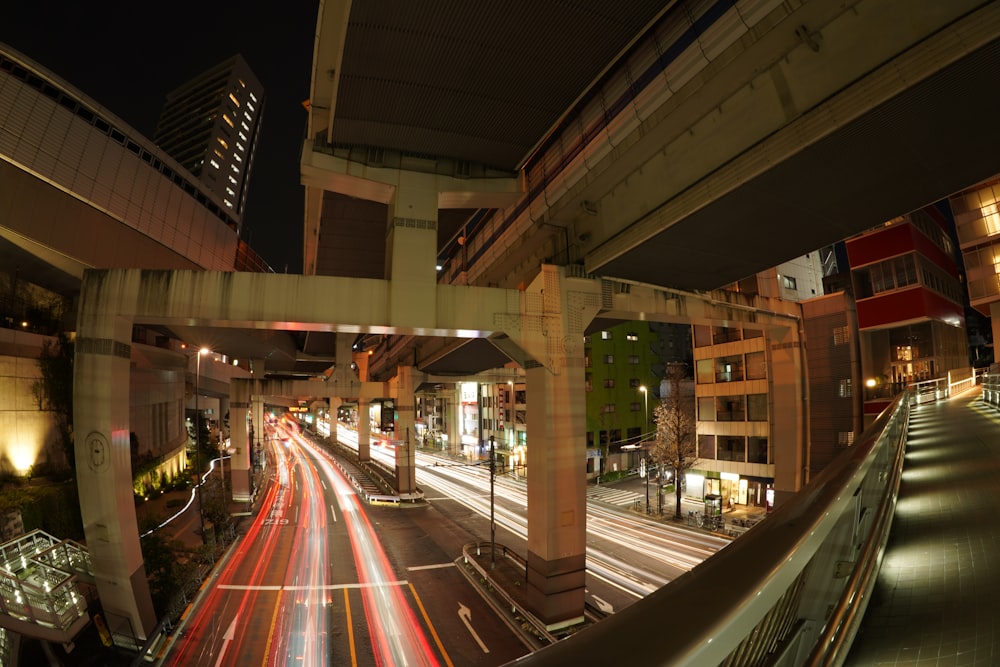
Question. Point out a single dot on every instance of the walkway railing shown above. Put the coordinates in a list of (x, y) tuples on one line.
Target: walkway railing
[(956, 381), (790, 592), (39, 594), (991, 389)]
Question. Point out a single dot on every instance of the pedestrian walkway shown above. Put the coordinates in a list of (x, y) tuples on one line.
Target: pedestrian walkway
[(935, 601), (613, 495)]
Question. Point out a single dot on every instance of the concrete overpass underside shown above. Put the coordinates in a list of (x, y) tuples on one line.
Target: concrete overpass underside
[(819, 179), (542, 326)]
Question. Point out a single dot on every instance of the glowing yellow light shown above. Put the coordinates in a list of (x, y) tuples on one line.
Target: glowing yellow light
[(991, 216), (870, 382), (23, 457)]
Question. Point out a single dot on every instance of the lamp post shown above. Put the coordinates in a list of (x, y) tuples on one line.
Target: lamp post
[(493, 525), (222, 469), (197, 437), (645, 425)]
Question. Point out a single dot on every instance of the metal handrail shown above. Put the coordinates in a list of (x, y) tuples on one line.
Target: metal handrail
[(760, 614)]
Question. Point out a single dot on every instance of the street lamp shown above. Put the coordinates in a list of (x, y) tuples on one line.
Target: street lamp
[(222, 469), (197, 437), (645, 425)]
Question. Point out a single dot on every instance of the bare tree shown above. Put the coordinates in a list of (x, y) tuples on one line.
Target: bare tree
[(676, 447)]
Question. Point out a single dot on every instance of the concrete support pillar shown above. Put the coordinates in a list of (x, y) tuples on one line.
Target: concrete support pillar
[(408, 379), (556, 419), (103, 466), (257, 414), (364, 430), (557, 512), (335, 404), (789, 427), (239, 435), (411, 249), (453, 421), (223, 423)]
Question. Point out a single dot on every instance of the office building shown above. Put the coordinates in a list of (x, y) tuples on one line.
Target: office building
[(210, 125), (911, 317), (977, 223)]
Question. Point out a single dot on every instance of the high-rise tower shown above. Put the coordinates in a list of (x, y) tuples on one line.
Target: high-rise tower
[(210, 126)]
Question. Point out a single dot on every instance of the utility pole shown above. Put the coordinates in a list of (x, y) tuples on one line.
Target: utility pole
[(493, 525), (197, 439), (645, 473)]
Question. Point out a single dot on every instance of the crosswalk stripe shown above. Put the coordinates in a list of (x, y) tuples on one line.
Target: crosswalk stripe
[(612, 496)]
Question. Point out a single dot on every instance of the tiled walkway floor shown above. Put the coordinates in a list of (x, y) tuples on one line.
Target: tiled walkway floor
[(937, 600)]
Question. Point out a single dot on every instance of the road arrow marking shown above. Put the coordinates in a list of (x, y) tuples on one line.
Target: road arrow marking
[(465, 614), (606, 607), (226, 638)]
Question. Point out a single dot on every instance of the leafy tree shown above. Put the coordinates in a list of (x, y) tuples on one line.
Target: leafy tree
[(54, 390), (215, 507), (170, 566), (676, 447)]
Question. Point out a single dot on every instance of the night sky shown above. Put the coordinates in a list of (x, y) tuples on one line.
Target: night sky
[(129, 55)]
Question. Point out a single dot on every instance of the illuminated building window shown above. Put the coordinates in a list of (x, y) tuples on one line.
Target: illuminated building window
[(222, 142), (904, 353), (242, 136), (991, 216), (840, 336), (234, 100), (230, 191), (250, 106), (789, 282), (845, 438), (632, 337), (244, 125), (232, 180), (238, 158), (214, 163), (606, 335), (252, 96), (228, 120), (241, 147), (247, 116), (845, 390), (893, 274), (218, 154), (235, 168)]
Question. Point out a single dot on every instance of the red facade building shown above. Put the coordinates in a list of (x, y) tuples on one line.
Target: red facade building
[(906, 282)]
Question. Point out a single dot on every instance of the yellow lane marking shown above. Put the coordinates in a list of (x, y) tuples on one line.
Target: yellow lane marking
[(350, 630), (437, 640), (270, 630)]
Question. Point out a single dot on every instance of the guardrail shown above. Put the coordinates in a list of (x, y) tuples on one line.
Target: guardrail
[(957, 380), (790, 592), (991, 389), (39, 591), (499, 589)]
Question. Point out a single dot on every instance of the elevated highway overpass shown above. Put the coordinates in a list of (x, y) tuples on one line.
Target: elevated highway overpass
[(697, 143), (711, 140)]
